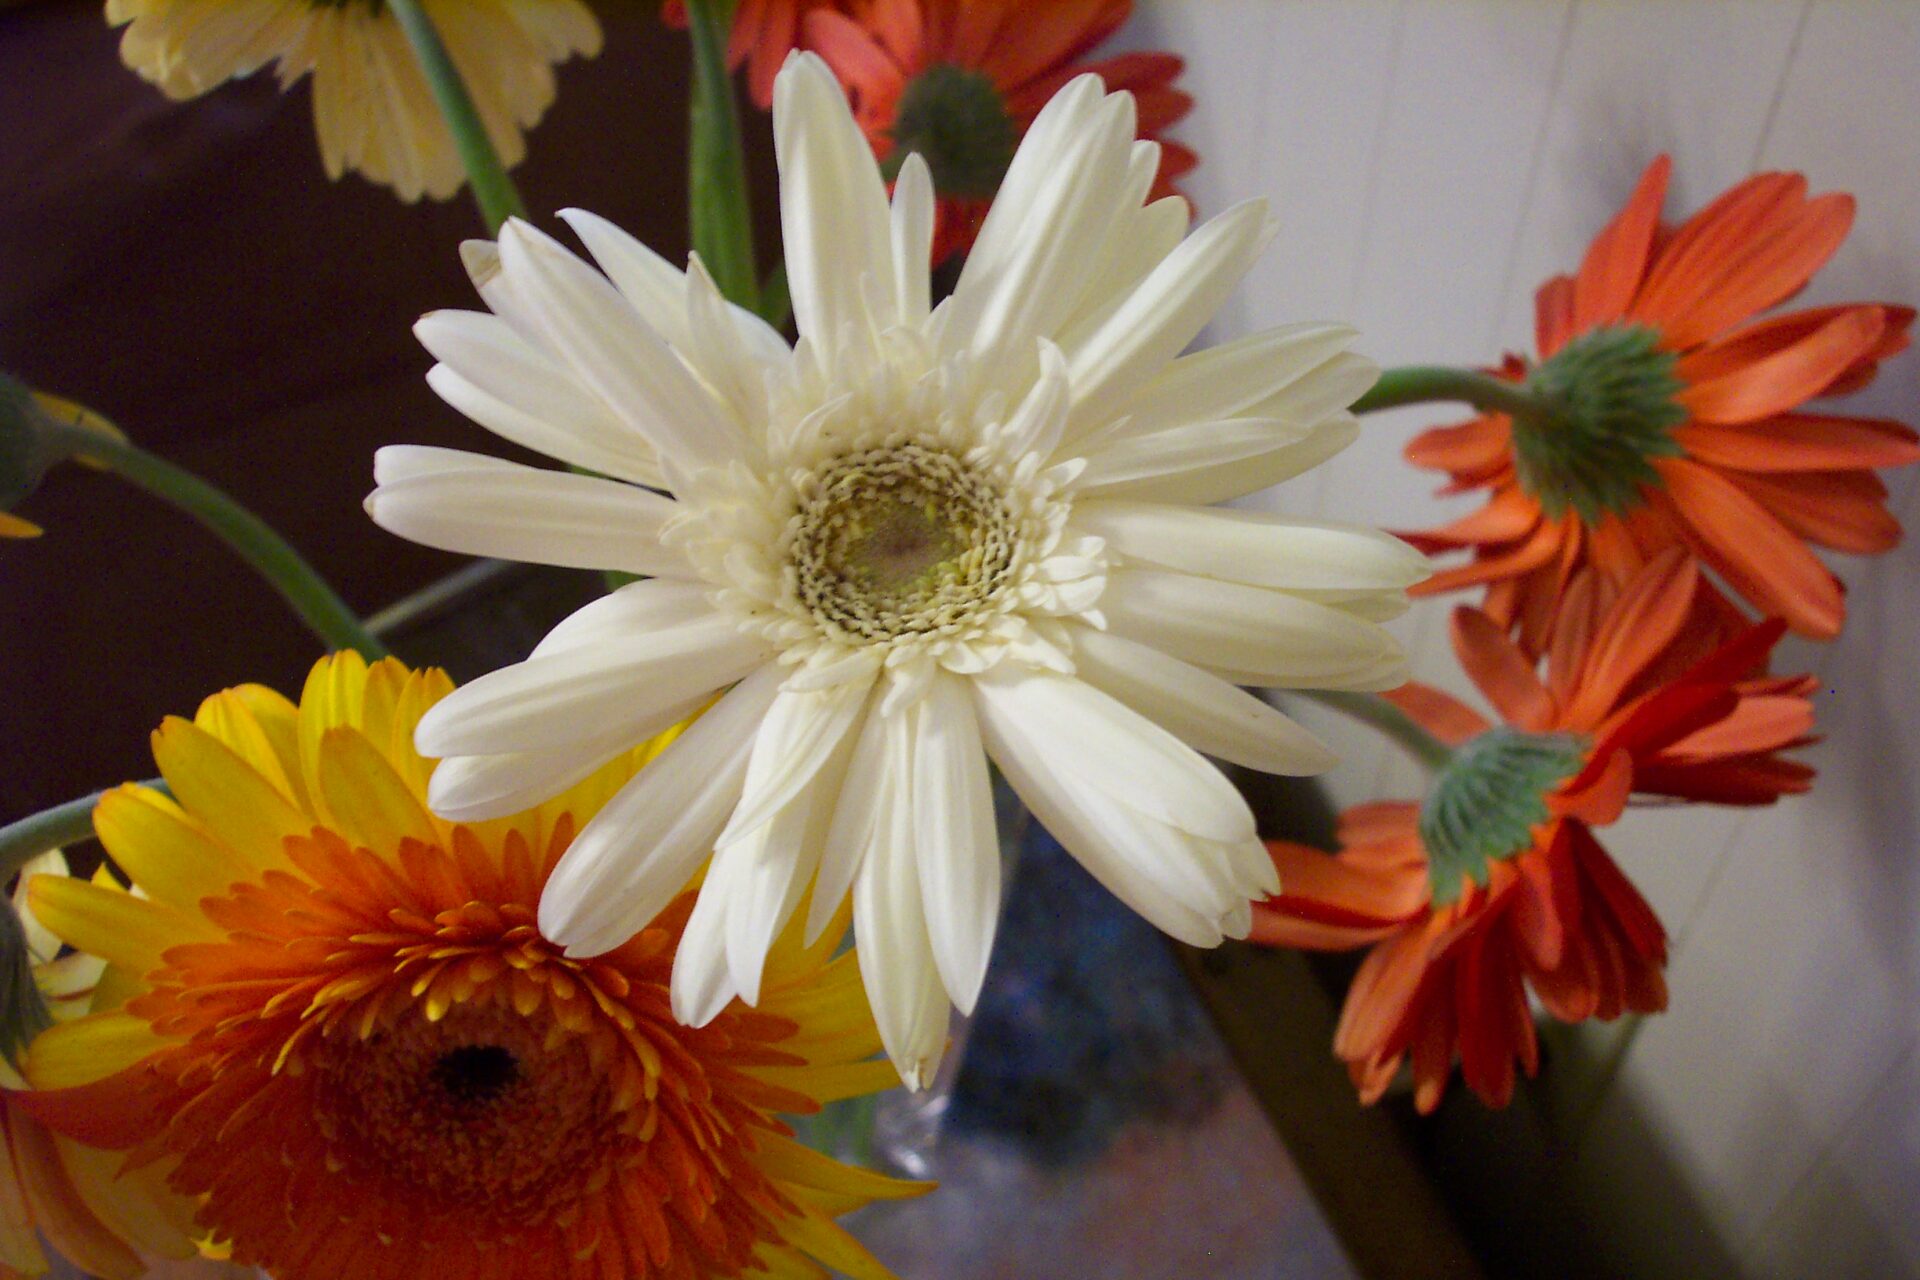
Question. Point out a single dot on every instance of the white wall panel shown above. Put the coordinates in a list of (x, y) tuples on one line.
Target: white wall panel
[(1432, 161)]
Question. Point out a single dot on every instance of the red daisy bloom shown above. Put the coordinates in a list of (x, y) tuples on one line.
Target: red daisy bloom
[(1677, 419), (1495, 886)]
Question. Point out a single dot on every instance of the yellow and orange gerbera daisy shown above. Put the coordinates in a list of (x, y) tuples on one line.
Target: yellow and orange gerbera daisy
[(1495, 885), (57, 1196), (1677, 419), (351, 1040), (372, 107), (959, 81)]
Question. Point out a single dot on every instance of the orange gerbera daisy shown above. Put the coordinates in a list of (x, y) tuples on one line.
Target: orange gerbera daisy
[(1673, 418), (349, 1037), (959, 81), (1495, 883)]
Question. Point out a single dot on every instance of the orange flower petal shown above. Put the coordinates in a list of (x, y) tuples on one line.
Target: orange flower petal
[(1634, 634), (1757, 555), (1789, 377), (1801, 442), (1598, 798), (1440, 714), (1331, 890), (1617, 259), (1845, 510), (1553, 315), (1501, 671)]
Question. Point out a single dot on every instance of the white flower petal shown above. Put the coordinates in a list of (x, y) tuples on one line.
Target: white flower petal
[(702, 984), (1114, 750), (396, 462), (799, 736), (617, 354), (1326, 390), (1164, 313), (637, 854), (1135, 461), (1031, 291), (1083, 820), (541, 517), (1138, 244), (834, 218), (634, 461), (1255, 547), (1218, 481), (856, 810), (638, 607), (1225, 381), (912, 226), (1251, 634), (1202, 710), (1036, 425), (958, 845), (658, 289), (896, 959), (476, 788), (588, 691), (489, 373)]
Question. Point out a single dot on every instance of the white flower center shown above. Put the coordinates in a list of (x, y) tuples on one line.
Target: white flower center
[(902, 539)]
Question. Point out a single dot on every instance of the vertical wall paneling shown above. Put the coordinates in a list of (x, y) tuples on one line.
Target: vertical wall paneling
[(1820, 896)]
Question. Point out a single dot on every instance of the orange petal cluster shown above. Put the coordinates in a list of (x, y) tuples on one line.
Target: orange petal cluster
[(1028, 51), (1663, 711), (1757, 477), (343, 1032)]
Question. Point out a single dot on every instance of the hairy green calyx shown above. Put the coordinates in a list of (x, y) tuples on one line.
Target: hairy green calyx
[(1486, 801), (1609, 410), (25, 454), (957, 122)]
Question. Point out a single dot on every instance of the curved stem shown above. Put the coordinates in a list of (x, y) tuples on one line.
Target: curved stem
[(324, 612), (55, 828), (493, 190), (718, 212), (1376, 712), (1422, 383)]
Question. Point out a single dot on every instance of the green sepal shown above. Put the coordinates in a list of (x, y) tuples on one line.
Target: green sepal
[(1488, 799), (1610, 410)]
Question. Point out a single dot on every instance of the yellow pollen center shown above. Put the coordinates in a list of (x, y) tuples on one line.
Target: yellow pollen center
[(900, 539)]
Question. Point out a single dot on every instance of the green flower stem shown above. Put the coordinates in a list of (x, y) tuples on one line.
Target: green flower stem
[(1424, 383), (324, 612), (1375, 711), (55, 828), (493, 190), (718, 212)]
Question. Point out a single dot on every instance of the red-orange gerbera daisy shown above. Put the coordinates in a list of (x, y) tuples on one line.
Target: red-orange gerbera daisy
[(959, 81), (764, 33), (1495, 883), (344, 1033), (1673, 418)]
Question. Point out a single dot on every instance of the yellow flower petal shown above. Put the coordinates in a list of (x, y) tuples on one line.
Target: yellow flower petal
[(830, 1082), (800, 1166), (111, 923), (229, 717), (12, 526), (88, 1049), (371, 804), (827, 1241), (247, 812), (168, 853)]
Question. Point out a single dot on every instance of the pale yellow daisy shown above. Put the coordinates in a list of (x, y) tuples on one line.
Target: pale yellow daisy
[(372, 107)]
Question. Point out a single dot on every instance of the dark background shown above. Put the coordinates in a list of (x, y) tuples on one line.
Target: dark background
[(188, 270)]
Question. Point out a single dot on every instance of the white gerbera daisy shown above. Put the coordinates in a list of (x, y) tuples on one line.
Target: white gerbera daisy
[(916, 540)]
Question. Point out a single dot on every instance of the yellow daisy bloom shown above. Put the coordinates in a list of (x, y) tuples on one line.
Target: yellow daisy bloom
[(372, 106), (351, 1039), (54, 1191)]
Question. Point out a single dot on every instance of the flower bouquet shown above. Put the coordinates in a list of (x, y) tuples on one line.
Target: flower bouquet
[(534, 975)]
